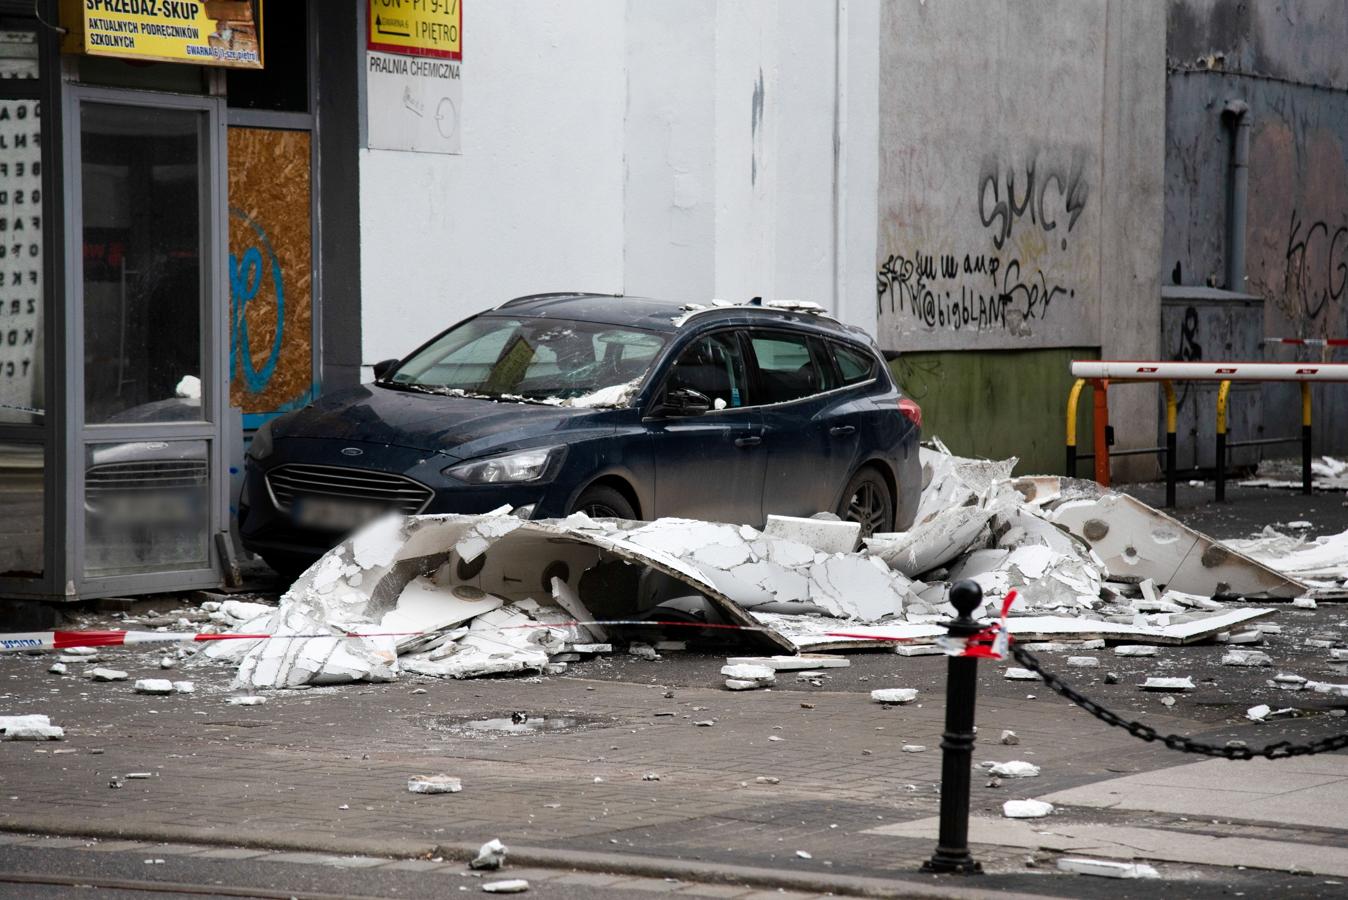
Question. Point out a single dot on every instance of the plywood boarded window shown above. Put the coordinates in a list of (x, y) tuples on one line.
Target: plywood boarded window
[(270, 272)]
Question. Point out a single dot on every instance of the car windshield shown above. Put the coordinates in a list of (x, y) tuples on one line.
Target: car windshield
[(534, 360)]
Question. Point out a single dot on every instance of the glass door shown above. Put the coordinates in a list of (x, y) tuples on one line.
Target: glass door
[(145, 187)]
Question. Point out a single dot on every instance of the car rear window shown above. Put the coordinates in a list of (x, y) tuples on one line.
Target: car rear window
[(788, 366), (854, 365)]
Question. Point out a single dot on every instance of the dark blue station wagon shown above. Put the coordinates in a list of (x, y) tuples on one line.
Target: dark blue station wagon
[(614, 406)]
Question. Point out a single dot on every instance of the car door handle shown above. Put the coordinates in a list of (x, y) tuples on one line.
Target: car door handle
[(842, 430), (752, 440)]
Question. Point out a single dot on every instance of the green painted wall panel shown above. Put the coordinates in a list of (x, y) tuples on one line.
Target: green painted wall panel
[(997, 404)]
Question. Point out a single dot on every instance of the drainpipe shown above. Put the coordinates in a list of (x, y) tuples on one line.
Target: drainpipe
[(840, 159), (1236, 114)]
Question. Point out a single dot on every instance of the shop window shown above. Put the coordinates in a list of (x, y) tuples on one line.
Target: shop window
[(22, 484), (22, 398), (283, 84)]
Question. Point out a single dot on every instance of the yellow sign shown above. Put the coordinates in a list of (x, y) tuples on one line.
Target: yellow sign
[(416, 27), (205, 32)]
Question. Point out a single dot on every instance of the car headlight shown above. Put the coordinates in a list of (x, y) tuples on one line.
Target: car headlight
[(260, 447), (522, 465)]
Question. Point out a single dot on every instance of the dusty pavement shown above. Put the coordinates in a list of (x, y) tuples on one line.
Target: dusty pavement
[(805, 768)]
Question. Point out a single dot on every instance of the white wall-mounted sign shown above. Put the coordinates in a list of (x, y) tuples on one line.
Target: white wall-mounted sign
[(413, 103)]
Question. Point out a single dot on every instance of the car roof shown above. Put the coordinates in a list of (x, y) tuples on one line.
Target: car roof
[(669, 316)]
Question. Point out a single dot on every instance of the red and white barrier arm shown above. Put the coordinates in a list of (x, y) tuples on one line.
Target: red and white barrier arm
[(1308, 342), (1158, 370)]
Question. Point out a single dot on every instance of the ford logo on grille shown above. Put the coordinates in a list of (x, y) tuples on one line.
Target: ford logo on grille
[(352, 451)]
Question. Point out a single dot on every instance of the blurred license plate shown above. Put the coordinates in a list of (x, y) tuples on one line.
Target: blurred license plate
[(335, 515)]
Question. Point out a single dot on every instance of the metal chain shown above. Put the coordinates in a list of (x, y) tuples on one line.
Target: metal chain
[(1280, 750)]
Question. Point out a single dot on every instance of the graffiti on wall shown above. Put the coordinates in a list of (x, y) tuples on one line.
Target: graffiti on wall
[(1317, 266), (1020, 274)]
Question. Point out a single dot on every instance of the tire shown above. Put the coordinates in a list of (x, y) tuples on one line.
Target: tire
[(869, 501), (599, 501), (288, 565)]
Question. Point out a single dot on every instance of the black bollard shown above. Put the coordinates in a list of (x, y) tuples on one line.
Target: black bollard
[(957, 744)]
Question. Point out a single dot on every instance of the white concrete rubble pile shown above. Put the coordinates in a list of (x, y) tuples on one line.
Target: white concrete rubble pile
[(1327, 474), (467, 595), (1321, 563)]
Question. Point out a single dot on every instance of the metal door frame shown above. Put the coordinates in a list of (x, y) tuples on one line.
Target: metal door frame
[(214, 346)]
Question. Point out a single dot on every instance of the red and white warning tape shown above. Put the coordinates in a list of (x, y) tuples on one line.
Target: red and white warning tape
[(990, 642), (1309, 342)]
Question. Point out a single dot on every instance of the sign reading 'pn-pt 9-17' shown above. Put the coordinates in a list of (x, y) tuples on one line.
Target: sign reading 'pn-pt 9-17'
[(205, 32), (416, 27)]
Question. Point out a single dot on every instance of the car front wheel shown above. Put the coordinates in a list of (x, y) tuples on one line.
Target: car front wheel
[(600, 501), (868, 501)]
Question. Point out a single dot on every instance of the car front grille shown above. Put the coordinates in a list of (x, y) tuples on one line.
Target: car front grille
[(145, 475), (397, 492)]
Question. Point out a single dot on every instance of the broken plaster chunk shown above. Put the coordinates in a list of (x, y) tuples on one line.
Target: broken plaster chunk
[(739, 684), (1083, 662), (592, 648), (1335, 690), (248, 700), (1014, 769), (35, 732), (913, 748), (749, 672), (1106, 868), (509, 886), (1258, 713), (57, 668), (1014, 673), (790, 663), (1134, 650), (1246, 658), (1026, 809), (153, 686), (643, 651), (1168, 684), (767, 779), (1304, 603), (1335, 655), (102, 674), (490, 856), (821, 534), (434, 784), (894, 695), (1009, 737)]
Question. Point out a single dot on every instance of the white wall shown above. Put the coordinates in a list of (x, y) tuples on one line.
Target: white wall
[(670, 149)]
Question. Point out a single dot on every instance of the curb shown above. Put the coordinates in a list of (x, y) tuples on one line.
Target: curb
[(541, 857)]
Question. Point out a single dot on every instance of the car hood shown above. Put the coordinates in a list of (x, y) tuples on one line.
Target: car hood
[(457, 427)]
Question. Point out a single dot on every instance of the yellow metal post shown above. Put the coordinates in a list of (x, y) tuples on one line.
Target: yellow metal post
[(1222, 393), (1171, 423), (1305, 437), (1073, 398)]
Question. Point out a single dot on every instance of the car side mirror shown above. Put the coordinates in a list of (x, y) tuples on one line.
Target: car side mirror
[(382, 368), (685, 402)]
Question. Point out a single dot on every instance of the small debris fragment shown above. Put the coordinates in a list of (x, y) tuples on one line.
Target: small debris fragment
[(1246, 658), (102, 674), (1026, 809), (490, 856), (1106, 868), (1168, 684), (913, 748), (35, 733), (510, 886), (154, 686), (1304, 603), (767, 779), (1014, 769), (1009, 738), (1111, 678), (1083, 662), (774, 737), (57, 668), (115, 782), (705, 723), (167, 662), (418, 692), (434, 784), (1258, 713), (650, 776), (1014, 673), (807, 706), (139, 776), (894, 695), (1134, 650), (184, 687), (804, 854), (643, 651), (250, 700), (1167, 701)]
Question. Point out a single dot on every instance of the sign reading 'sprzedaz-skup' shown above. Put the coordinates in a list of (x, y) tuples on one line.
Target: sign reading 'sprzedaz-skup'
[(205, 32), (416, 27)]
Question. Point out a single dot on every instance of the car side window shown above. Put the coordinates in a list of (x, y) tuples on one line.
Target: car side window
[(789, 366), (854, 365), (713, 366)]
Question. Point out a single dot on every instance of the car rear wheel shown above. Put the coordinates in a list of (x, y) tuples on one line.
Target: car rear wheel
[(868, 501), (599, 501)]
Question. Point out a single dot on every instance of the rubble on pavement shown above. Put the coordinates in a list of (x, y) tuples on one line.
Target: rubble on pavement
[(461, 596)]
